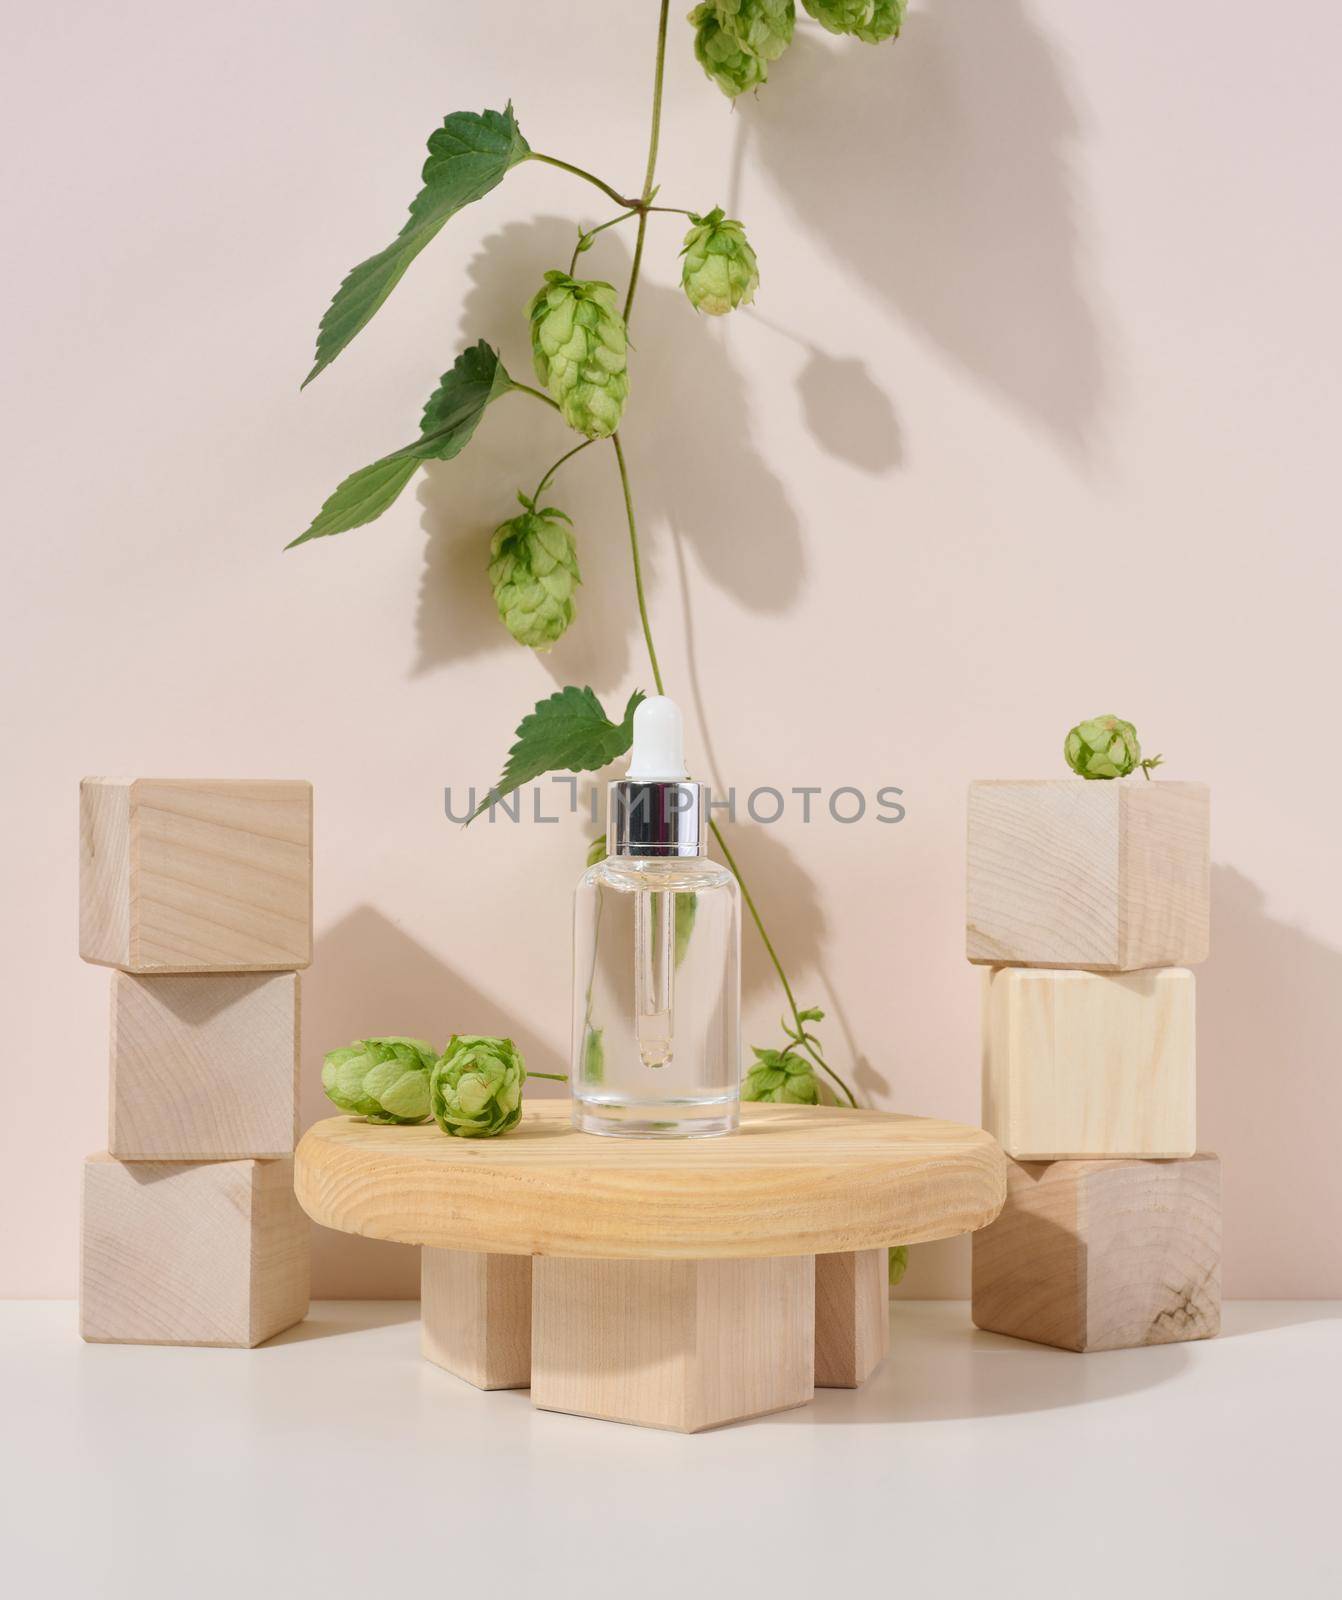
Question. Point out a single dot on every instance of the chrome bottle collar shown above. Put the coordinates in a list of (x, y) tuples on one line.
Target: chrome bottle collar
[(657, 819)]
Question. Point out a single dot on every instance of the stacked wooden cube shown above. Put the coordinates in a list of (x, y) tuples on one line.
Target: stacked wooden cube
[(199, 894), (1087, 903)]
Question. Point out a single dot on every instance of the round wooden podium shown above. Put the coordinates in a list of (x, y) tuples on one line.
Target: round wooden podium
[(672, 1283)]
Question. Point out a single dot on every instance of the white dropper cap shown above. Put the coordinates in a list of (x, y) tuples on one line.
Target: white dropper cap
[(658, 754)]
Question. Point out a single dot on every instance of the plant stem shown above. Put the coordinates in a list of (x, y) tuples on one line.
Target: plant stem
[(727, 856), (643, 209), (567, 456), (653, 139), (591, 177), (638, 565), (802, 1036), (554, 1077), (526, 388), (585, 239)]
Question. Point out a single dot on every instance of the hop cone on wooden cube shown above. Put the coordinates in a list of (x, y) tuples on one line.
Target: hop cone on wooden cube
[(781, 1077), (533, 571), (720, 270), (580, 351), (383, 1080), (872, 21), (475, 1089), (1106, 747)]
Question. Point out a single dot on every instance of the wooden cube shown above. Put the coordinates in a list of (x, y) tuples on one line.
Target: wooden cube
[(1110, 876), (685, 1345), (475, 1316), (195, 875), (852, 1317), (1089, 1063), (204, 1066), (1102, 1255), (212, 1253)]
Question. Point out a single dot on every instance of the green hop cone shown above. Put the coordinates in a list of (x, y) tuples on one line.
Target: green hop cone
[(533, 570), (872, 21), (1106, 747), (720, 270), (735, 40), (764, 26), (475, 1089), (898, 1262), (383, 1080), (580, 350), (781, 1077)]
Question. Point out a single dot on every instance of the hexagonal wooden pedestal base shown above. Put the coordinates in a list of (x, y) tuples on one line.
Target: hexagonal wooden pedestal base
[(686, 1345), (475, 1316), (669, 1344)]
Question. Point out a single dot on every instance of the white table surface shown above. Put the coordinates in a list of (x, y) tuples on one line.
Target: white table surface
[(335, 1462)]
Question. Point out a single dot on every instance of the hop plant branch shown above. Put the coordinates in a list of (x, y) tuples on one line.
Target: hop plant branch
[(654, 139), (806, 1042), (567, 456), (579, 344), (585, 239), (591, 177)]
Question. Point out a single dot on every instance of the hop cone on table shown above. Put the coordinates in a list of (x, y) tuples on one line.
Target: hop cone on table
[(869, 20), (475, 1090), (384, 1080), (1106, 747), (533, 571), (782, 1078), (720, 270), (580, 351), (734, 40)]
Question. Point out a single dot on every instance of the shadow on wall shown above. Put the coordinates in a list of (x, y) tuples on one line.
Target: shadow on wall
[(691, 461), (1269, 1092), (960, 139), (368, 977), (699, 486)]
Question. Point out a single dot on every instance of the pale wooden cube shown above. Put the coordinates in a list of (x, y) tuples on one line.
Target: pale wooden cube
[(1111, 876), (204, 1066), (475, 1316), (195, 875), (1089, 1063), (208, 1253), (852, 1317), (685, 1345), (1103, 1255)]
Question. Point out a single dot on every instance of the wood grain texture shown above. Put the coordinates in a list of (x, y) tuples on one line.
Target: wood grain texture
[(685, 1345), (209, 1253), (1109, 876), (1089, 1064), (852, 1317), (796, 1180), (204, 1066), (1104, 1255), (195, 875), (475, 1316)]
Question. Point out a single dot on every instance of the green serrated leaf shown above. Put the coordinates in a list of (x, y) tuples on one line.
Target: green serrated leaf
[(569, 732), (450, 418), (468, 156)]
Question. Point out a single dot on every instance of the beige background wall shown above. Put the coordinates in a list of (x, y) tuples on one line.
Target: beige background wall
[(1037, 419)]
